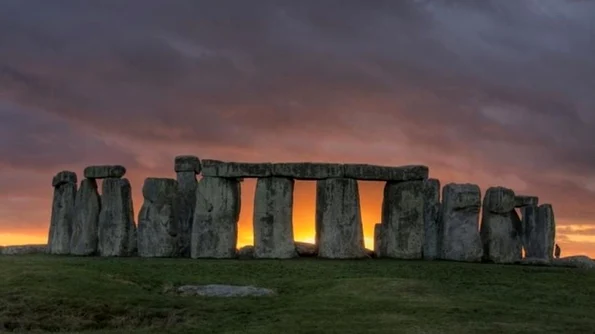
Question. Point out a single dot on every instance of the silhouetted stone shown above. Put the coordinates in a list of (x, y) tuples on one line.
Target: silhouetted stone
[(501, 228), (339, 232), (158, 233), (187, 163), (215, 225), (459, 238), (403, 220), (577, 261), (116, 223), (539, 231), (431, 218), (86, 219), (305, 249), (23, 249), (521, 201), (60, 230), (308, 170), (378, 233), (185, 204), (105, 171), (216, 168), (385, 173), (64, 177), (557, 251), (246, 252), (273, 213)]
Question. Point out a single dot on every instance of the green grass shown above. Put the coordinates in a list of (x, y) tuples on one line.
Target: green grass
[(129, 295)]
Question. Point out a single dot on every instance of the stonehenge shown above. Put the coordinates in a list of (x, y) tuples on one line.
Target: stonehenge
[(195, 214)]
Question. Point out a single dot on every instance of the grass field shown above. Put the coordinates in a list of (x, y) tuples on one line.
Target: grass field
[(102, 295)]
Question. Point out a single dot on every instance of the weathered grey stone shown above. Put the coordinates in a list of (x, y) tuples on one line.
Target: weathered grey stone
[(577, 261), (62, 215), (218, 290), (459, 238), (273, 214), (187, 163), (116, 227), (521, 201), (305, 249), (216, 168), (308, 170), (86, 218), (431, 218), (185, 204), (23, 249), (339, 231), (64, 177), (104, 171), (246, 252), (539, 231), (501, 228), (133, 231), (215, 225), (403, 220), (378, 233), (385, 173), (158, 233)]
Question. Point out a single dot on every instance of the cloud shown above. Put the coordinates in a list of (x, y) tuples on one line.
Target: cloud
[(482, 91)]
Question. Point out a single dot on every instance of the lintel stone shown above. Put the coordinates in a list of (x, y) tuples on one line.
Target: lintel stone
[(386, 173), (216, 168), (308, 170), (187, 163), (521, 201), (105, 171)]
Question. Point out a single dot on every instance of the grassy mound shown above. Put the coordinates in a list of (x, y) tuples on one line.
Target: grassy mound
[(132, 295)]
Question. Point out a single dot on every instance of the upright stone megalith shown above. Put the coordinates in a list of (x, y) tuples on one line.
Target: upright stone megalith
[(501, 229), (431, 218), (459, 238), (215, 224), (403, 219), (539, 231), (339, 231), (186, 167), (273, 218), (116, 230), (158, 233), (60, 231), (378, 234), (86, 218)]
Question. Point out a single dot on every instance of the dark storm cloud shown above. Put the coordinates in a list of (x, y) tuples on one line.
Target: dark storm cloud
[(503, 85)]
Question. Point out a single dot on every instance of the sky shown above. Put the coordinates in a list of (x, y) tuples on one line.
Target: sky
[(491, 92)]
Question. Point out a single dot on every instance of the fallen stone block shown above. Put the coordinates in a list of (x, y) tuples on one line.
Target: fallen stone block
[(385, 173), (501, 228), (521, 201), (104, 171), (403, 220), (62, 215), (23, 249), (273, 218), (339, 231), (431, 218), (531, 261), (158, 234), (308, 170), (215, 225), (577, 261), (459, 238), (86, 219), (216, 168), (187, 163), (305, 249), (246, 252)]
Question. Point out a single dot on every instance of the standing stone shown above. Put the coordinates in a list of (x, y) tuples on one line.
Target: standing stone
[(539, 231), (431, 218), (60, 232), (158, 233), (116, 224), (132, 235), (273, 214), (86, 217), (215, 225), (185, 205), (339, 231), (403, 219), (501, 229), (187, 163), (378, 247), (459, 238)]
